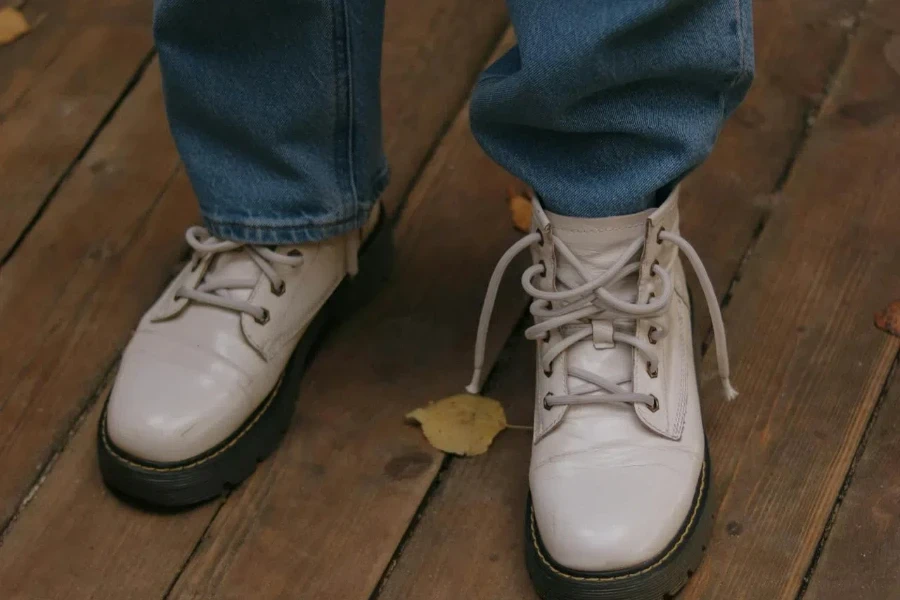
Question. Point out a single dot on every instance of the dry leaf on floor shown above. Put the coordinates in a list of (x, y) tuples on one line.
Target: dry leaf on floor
[(889, 318), (13, 25), (464, 424), (520, 208)]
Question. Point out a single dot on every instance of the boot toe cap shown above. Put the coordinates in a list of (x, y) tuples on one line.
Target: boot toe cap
[(161, 411), (612, 517)]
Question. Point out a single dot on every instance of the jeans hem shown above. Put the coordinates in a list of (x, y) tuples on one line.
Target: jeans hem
[(301, 231)]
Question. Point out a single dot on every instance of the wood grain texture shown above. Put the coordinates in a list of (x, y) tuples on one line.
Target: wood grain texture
[(61, 81), (798, 47), (322, 520), (119, 554), (809, 362), (468, 542), (79, 282), (433, 53), (75, 540), (861, 559), (56, 86)]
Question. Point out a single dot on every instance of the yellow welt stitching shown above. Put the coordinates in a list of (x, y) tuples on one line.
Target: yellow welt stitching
[(678, 544), (246, 428)]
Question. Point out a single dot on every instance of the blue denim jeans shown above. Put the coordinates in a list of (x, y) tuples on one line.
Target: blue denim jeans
[(274, 104)]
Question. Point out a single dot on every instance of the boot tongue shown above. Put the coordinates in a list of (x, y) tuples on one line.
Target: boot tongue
[(234, 265), (598, 244)]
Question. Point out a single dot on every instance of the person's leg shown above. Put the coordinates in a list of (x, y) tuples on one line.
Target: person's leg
[(275, 110), (274, 106), (602, 108), (603, 103)]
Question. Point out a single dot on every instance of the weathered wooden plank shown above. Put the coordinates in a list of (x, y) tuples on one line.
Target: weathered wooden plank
[(809, 362), (56, 87), (798, 47), (469, 540), (323, 518), (76, 540), (861, 559), (60, 82), (432, 55), (127, 556), (67, 304), (72, 293)]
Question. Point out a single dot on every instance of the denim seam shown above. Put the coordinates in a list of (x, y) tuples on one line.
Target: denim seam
[(379, 183), (742, 58), (351, 109), (354, 220), (344, 109), (311, 224)]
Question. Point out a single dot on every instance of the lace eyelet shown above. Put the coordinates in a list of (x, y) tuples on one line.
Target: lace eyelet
[(547, 406), (653, 266), (655, 407), (265, 317), (653, 373), (544, 266), (548, 373), (659, 241), (650, 333), (278, 291)]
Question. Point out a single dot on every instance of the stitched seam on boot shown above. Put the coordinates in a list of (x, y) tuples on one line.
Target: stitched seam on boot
[(597, 229), (681, 412), (262, 410), (684, 534)]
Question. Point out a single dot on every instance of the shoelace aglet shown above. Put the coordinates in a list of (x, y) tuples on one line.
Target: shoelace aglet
[(474, 386), (730, 392)]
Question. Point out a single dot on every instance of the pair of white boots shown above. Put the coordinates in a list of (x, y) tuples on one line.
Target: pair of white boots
[(620, 476)]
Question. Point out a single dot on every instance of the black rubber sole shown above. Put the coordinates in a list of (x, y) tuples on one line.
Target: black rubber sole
[(207, 476), (659, 579)]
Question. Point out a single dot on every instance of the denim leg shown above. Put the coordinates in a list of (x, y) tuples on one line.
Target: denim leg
[(604, 103), (275, 109)]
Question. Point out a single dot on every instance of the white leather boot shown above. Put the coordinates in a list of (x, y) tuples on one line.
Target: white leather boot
[(206, 387), (620, 476)]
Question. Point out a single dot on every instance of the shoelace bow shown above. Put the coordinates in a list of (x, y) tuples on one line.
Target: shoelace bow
[(207, 290), (592, 301)]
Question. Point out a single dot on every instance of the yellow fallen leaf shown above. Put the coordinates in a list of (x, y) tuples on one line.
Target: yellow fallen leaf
[(520, 207), (13, 25), (464, 424)]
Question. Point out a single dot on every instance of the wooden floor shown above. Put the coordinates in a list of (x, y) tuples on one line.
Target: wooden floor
[(797, 216)]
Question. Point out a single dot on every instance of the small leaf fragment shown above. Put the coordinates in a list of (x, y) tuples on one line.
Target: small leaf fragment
[(464, 424), (520, 208), (889, 318), (13, 25)]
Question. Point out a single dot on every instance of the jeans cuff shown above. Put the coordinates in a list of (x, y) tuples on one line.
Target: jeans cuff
[(290, 231)]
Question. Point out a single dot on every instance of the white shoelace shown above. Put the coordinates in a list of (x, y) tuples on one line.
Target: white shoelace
[(209, 287), (592, 301)]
